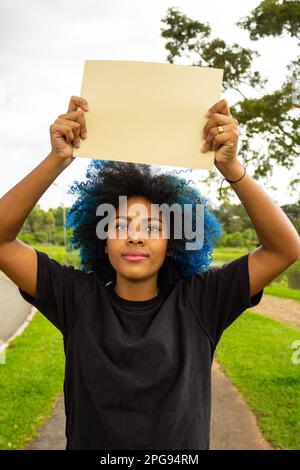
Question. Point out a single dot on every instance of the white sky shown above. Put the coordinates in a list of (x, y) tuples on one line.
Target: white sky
[(43, 46)]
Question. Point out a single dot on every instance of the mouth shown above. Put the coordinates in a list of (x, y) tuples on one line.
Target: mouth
[(135, 257)]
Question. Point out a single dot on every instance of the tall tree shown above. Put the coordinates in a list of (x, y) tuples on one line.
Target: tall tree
[(273, 116), (273, 18), (277, 18)]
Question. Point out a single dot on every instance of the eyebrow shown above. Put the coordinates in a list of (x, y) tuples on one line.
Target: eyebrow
[(149, 218)]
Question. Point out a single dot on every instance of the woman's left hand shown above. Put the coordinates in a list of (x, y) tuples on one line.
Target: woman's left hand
[(221, 134)]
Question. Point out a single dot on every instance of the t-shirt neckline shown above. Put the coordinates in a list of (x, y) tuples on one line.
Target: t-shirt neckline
[(133, 303)]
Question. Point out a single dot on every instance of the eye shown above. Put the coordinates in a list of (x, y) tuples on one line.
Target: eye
[(121, 225), (153, 227)]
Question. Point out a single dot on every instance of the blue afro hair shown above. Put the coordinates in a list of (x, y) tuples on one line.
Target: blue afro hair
[(106, 180)]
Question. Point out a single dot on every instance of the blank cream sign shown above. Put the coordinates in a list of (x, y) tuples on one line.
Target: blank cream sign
[(148, 112)]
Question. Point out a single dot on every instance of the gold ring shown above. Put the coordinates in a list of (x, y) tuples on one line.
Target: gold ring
[(220, 129)]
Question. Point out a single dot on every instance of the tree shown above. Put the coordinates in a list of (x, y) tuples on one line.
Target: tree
[(58, 216), (276, 18), (293, 213), (232, 217), (285, 17), (39, 223), (272, 116)]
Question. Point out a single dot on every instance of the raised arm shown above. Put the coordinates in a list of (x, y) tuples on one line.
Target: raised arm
[(280, 242), (18, 260)]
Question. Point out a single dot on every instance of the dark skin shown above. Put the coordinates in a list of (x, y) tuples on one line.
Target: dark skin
[(280, 243), (137, 280)]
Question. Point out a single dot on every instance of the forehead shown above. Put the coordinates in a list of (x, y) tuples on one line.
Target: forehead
[(138, 207)]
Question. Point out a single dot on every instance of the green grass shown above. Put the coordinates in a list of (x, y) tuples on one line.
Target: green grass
[(282, 291), (221, 255), (228, 254), (59, 254), (255, 353), (30, 382), (278, 287)]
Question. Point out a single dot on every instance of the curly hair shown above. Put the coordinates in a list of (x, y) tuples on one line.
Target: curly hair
[(106, 181)]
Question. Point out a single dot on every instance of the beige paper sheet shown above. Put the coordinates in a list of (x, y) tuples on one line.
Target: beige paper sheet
[(148, 112)]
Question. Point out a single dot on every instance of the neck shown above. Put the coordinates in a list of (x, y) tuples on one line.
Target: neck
[(130, 289)]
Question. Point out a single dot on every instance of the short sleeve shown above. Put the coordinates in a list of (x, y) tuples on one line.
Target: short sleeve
[(219, 296), (59, 290)]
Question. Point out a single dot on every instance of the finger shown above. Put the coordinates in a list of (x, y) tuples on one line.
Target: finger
[(215, 120), (77, 102), (214, 131), (79, 117), (63, 130), (224, 138), (221, 107), (75, 126)]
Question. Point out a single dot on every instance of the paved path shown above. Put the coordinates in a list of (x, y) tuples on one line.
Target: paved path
[(285, 310), (13, 308), (233, 425), (52, 435)]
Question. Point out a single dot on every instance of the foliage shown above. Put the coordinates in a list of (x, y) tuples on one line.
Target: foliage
[(44, 226), (273, 116), (273, 18)]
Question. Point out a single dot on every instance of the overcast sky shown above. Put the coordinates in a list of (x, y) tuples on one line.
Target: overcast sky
[(43, 46)]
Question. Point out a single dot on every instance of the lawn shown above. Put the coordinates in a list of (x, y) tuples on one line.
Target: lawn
[(220, 255), (30, 381), (59, 254), (255, 353), (282, 291), (278, 288)]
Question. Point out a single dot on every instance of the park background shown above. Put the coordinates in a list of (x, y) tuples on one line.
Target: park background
[(43, 48)]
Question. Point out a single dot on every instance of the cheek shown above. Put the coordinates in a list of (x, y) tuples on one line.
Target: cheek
[(159, 253), (113, 249)]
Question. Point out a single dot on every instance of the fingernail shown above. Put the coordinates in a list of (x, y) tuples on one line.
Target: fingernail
[(84, 135), (204, 148), (208, 114), (77, 144), (86, 107)]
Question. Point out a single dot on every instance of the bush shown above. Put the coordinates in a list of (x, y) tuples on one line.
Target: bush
[(293, 279), (27, 238), (58, 238), (231, 240)]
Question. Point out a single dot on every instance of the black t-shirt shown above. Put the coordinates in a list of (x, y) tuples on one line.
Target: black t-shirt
[(138, 373)]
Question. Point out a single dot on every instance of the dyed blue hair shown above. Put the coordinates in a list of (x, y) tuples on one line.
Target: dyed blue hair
[(106, 180)]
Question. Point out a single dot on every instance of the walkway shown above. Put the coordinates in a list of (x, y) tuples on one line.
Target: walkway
[(233, 424), (13, 308), (284, 310)]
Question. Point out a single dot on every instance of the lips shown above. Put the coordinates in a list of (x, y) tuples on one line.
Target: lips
[(134, 256)]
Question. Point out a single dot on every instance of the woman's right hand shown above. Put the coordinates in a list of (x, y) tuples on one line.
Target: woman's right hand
[(68, 128)]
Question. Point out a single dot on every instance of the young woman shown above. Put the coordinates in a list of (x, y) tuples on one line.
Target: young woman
[(142, 319)]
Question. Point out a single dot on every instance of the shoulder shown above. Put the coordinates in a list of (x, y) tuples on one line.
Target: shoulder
[(217, 277), (54, 270)]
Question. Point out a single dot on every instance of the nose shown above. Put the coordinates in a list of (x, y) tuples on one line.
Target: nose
[(135, 236)]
